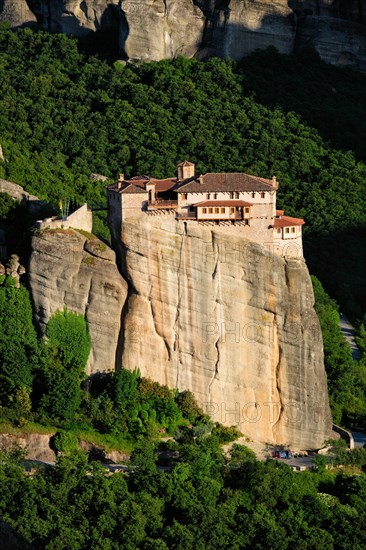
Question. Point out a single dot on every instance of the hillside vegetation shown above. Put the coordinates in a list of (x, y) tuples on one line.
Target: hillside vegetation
[(63, 116)]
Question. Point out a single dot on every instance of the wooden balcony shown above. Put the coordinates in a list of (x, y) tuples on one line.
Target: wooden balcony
[(160, 204), (186, 215)]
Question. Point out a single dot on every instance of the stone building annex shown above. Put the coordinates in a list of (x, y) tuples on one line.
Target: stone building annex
[(230, 201)]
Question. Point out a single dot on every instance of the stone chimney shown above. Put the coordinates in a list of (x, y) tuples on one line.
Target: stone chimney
[(201, 179), (120, 181), (274, 182), (186, 170)]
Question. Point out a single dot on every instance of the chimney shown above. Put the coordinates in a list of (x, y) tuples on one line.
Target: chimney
[(201, 179), (274, 182), (120, 181)]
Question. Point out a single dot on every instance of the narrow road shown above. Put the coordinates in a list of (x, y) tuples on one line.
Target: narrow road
[(349, 333), (359, 438)]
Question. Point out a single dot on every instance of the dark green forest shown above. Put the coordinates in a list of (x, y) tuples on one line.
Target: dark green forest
[(206, 501), (195, 497), (64, 115)]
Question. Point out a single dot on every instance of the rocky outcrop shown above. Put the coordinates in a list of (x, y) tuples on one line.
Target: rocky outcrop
[(12, 269), (342, 43), (37, 445), (70, 269), (33, 203), (78, 17), (157, 29), (218, 315), (17, 13)]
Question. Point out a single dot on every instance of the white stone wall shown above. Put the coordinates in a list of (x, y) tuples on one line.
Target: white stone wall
[(80, 219), (133, 204), (288, 247)]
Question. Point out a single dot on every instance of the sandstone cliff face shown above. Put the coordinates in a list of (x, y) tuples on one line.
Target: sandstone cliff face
[(17, 13), (158, 29), (222, 317), (68, 269), (202, 310), (78, 17)]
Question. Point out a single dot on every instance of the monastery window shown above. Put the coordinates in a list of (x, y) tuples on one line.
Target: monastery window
[(262, 195), (215, 195), (184, 196), (222, 210), (118, 199), (253, 195), (231, 195), (208, 195), (210, 210), (246, 210), (237, 195), (287, 230), (217, 210), (204, 210), (278, 230), (232, 210)]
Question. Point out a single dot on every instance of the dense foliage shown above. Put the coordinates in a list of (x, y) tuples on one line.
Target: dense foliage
[(346, 376), (204, 501), (63, 116), (42, 380), (330, 99), (18, 343)]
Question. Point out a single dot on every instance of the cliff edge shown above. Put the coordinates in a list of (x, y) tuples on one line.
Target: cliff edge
[(150, 30)]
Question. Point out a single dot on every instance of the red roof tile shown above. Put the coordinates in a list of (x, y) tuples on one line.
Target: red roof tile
[(225, 183), (223, 203), (163, 185), (287, 221), (131, 188)]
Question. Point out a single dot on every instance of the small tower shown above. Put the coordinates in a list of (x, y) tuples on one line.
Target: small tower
[(185, 170)]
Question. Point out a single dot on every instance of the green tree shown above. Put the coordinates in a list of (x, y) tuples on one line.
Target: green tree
[(19, 350), (68, 347)]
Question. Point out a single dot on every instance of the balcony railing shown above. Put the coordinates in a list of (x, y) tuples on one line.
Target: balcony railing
[(161, 203), (186, 215)]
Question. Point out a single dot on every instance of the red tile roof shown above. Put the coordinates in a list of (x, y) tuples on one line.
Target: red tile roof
[(224, 183), (287, 221), (128, 186), (163, 185), (223, 203), (280, 212), (131, 188)]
